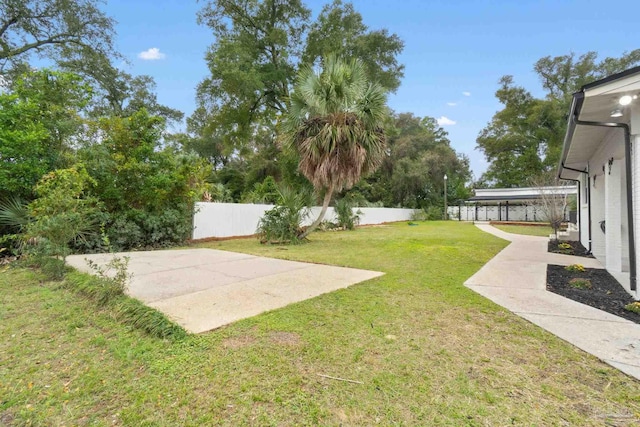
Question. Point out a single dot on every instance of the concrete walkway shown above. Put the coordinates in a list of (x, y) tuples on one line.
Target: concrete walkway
[(203, 289), (516, 280)]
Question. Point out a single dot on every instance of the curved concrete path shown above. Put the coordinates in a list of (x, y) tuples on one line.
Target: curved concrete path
[(516, 279), (203, 289)]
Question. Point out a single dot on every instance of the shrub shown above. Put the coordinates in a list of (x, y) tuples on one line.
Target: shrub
[(263, 192), (575, 268), (60, 217), (280, 225), (580, 283), (565, 248), (109, 287), (419, 215), (283, 223), (346, 218), (434, 213), (633, 307), (137, 229)]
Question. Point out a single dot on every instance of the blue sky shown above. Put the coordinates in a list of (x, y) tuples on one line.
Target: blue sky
[(455, 51)]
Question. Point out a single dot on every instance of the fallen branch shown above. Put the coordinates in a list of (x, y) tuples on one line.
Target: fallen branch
[(340, 379)]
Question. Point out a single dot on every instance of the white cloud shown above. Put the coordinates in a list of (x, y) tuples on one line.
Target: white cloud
[(151, 54), (452, 104), (465, 93), (445, 121)]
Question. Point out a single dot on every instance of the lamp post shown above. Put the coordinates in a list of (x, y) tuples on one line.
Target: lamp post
[(445, 196)]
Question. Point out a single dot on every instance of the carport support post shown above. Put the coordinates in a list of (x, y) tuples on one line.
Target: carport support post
[(507, 209), (499, 211)]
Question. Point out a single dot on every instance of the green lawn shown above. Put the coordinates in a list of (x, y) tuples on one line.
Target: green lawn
[(529, 230), (426, 350)]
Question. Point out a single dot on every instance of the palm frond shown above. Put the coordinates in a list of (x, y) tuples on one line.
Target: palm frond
[(14, 213)]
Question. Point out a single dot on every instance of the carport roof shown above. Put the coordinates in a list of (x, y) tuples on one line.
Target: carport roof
[(523, 193)]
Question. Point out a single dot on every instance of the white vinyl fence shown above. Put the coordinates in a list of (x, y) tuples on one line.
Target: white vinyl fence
[(239, 219)]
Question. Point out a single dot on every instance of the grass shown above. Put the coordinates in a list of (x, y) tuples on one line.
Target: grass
[(427, 350), (529, 230)]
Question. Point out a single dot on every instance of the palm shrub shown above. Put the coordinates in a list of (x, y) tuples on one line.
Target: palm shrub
[(14, 217), (334, 121), (346, 217), (283, 223)]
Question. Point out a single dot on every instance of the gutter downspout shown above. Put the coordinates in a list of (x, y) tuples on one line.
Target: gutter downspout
[(627, 157)]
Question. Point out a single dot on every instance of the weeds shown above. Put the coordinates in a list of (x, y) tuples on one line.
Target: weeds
[(111, 286), (580, 283), (107, 292)]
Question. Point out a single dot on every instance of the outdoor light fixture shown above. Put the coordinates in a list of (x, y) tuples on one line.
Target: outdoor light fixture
[(617, 112), (625, 100)]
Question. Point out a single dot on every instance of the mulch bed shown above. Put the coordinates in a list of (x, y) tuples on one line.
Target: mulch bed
[(605, 293), (576, 249)]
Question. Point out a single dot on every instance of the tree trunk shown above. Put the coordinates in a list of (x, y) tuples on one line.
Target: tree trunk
[(325, 205)]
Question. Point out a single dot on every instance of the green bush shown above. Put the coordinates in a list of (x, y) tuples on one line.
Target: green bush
[(283, 223), (346, 218), (263, 192), (280, 225), (60, 217), (633, 307), (419, 215), (575, 268), (434, 213)]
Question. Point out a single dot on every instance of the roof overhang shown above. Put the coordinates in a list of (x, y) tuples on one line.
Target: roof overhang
[(595, 103), (520, 194)]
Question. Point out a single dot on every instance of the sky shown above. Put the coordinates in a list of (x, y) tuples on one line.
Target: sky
[(455, 51)]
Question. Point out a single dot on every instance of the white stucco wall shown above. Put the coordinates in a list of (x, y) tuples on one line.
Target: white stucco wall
[(240, 219), (607, 192)]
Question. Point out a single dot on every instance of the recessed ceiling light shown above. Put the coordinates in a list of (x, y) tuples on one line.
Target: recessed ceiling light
[(617, 112), (625, 100)]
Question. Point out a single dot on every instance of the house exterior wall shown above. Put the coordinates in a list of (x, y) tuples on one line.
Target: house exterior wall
[(635, 177), (607, 194)]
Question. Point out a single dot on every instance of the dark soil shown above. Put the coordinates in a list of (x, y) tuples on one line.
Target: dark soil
[(605, 293), (576, 249)]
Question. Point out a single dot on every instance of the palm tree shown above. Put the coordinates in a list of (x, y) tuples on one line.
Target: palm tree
[(335, 122)]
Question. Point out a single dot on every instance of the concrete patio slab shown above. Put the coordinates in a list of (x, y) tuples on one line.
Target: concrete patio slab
[(203, 289), (516, 280)]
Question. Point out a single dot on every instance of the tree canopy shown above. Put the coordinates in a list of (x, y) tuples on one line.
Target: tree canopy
[(261, 44), (524, 139), (52, 28)]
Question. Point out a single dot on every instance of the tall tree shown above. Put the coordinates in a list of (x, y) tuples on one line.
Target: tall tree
[(116, 92), (524, 139), (339, 30), (52, 28), (39, 119), (419, 154), (334, 123), (260, 44), (252, 62)]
